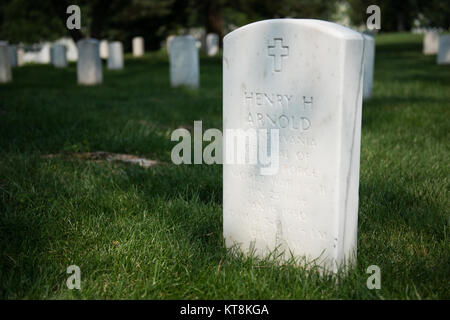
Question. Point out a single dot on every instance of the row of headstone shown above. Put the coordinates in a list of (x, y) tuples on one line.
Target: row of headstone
[(303, 78), (39, 53), (89, 65), (112, 51), (435, 44), (43, 53), (184, 64), (422, 30), (211, 43)]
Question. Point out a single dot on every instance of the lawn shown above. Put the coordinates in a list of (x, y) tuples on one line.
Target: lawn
[(156, 233)]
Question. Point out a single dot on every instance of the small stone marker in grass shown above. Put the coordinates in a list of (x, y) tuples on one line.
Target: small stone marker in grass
[(12, 50), (212, 44), (184, 64), (5, 65), (138, 46), (89, 64), (104, 49), (115, 55), (59, 55), (443, 56), (431, 42)]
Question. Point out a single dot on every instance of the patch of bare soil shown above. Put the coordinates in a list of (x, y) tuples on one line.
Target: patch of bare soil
[(100, 156)]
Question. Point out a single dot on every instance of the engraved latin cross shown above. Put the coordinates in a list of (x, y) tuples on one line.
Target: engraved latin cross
[(278, 51)]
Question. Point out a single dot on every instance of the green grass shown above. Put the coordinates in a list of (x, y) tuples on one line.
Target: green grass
[(157, 233)]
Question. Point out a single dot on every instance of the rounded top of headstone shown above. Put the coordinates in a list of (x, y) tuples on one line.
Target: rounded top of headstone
[(187, 36), (3, 43), (88, 40), (332, 28), (183, 39)]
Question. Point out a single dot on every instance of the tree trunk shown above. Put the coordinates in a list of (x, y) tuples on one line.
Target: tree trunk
[(100, 10), (400, 21), (214, 22)]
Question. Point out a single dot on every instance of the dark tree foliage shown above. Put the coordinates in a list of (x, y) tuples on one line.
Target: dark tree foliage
[(28, 21), (399, 15), (31, 21)]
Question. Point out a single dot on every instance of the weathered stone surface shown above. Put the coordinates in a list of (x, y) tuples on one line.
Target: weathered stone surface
[(138, 46), (431, 42), (184, 65), (443, 56), (369, 63), (89, 64), (72, 51), (115, 57), (59, 55), (12, 50), (104, 49), (212, 44), (303, 78), (5, 65)]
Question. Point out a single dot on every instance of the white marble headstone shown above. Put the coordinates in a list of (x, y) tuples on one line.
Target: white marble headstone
[(115, 57), (31, 57), (369, 62), (443, 56), (138, 46), (212, 44), (303, 77), (184, 65), (5, 66), (40, 53), (59, 55), (12, 49), (72, 51), (44, 53), (20, 56), (168, 42), (104, 49), (430, 42), (89, 64)]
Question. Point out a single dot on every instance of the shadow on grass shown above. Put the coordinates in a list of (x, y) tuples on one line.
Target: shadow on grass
[(392, 205)]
